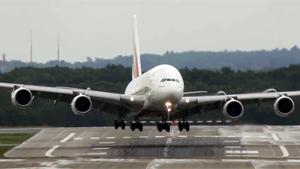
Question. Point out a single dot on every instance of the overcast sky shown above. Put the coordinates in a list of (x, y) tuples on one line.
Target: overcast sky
[(103, 28)]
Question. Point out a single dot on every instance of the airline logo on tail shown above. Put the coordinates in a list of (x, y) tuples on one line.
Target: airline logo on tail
[(136, 64)]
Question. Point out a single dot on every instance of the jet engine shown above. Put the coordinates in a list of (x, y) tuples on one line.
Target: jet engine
[(284, 106), (233, 109), (21, 97), (81, 104)]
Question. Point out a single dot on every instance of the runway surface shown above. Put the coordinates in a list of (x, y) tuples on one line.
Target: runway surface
[(202, 147)]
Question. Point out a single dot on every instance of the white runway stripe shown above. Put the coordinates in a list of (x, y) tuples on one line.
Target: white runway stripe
[(77, 138), (275, 137), (182, 136), (99, 153), (284, 151), (68, 137), (231, 141), (241, 152), (143, 136), (101, 148), (49, 152), (232, 147), (159, 136), (106, 142), (95, 138), (126, 137), (110, 138)]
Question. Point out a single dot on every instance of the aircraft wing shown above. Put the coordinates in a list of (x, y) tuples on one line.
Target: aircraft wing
[(66, 94), (214, 101)]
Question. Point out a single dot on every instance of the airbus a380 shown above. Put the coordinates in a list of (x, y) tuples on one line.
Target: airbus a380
[(159, 92)]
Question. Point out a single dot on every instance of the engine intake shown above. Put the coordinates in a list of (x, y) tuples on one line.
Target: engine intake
[(233, 109), (81, 104), (284, 106), (21, 97)]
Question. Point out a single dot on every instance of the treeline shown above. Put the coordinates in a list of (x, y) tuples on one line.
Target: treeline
[(237, 60), (114, 78)]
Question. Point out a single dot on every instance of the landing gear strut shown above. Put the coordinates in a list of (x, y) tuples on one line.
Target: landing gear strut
[(119, 124), (136, 125), (183, 125)]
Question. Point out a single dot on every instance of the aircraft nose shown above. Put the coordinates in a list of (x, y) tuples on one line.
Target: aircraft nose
[(172, 95)]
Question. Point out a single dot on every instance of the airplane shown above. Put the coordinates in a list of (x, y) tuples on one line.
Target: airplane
[(158, 92)]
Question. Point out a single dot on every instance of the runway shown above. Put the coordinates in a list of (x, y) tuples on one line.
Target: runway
[(202, 147)]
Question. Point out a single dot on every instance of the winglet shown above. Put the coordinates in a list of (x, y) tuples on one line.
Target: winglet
[(136, 64)]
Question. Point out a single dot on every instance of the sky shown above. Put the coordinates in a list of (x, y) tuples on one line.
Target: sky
[(103, 28)]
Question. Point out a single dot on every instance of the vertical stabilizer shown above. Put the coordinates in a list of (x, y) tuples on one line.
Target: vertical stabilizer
[(136, 64)]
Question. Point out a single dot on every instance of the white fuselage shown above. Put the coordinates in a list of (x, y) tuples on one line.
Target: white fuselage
[(162, 87)]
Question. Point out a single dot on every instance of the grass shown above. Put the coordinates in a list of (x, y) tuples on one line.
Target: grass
[(8, 140)]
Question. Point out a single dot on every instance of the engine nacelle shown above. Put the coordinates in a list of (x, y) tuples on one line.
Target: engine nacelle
[(21, 97), (233, 109), (81, 104), (284, 106)]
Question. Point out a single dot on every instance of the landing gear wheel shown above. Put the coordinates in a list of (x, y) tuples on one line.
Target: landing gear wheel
[(159, 127), (123, 125), (163, 126), (183, 125), (136, 125), (180, 126), (118, 124)]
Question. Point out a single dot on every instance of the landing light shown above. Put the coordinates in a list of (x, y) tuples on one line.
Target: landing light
[(168, 106)]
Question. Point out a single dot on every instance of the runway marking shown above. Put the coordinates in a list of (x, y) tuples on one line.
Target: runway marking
[(231, 141), (241, 152), (284, 151), (159, 136), (169, 140), (143, 136), (241, 155), (126, 137), (275, 137), (77, 138), (110, 138), (101, 148), (107, 142), (68, 137), (232, 136), (99, 153), (11, 160), (49, 152), (293, 160), (182, 136), (95, 138), (233, 147), (236, 160)]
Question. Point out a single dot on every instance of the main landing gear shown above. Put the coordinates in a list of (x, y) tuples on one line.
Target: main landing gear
[(119, 124), (136, 125), (163, 126), (183, 125)]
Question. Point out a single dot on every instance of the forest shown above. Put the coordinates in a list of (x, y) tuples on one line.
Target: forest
[(114, 78)]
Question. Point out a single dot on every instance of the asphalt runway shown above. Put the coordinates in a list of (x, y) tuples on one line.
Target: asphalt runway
[(209, 147)]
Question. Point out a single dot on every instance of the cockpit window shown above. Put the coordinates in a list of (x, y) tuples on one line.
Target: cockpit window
[(169, 80)]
